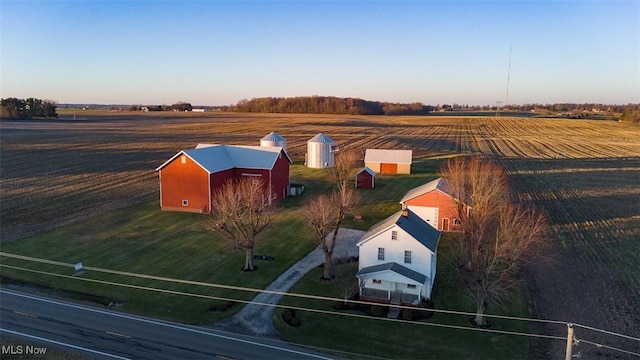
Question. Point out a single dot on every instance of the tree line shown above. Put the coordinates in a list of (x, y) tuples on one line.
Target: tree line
[(328, 105), (24, 109)]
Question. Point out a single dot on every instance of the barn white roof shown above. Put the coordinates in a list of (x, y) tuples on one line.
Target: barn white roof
[(216, 157), (388, 156), (368, 170)]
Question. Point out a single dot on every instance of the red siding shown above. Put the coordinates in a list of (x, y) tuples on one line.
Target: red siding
[(191, 182), (364, 180), (180, 182), (280, 178), (446, 206)]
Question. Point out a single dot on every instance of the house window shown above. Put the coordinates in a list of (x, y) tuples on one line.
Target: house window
[(380, 253), (185, 202), (376, 281), (457, 222), (407, 257), (183, 159), (394, 235), (411, 286)]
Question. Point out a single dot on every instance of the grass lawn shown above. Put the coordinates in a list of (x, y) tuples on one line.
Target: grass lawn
[(383, 338), (143, 239)]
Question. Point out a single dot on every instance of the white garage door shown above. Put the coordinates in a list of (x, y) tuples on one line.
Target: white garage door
[(428, 214)]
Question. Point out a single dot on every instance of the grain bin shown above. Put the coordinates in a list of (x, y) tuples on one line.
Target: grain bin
[(320, 152), (274, 139)]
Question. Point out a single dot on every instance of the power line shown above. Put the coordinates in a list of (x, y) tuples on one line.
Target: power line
[(607, 347), (231, 287), (239, 288), (173, 292)]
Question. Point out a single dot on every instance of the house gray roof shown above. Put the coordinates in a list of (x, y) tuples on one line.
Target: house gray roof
[(419, 229), (437, 184), (388, 156), (215, 157), (321, 138), (395, 267)]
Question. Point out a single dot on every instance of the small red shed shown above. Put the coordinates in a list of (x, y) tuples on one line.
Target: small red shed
[(365, 179)]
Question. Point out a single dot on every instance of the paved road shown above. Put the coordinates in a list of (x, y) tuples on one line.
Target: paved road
[(108, 334)]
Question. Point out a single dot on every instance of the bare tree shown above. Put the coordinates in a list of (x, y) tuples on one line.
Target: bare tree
[(497, 237), (326, 212), (240, 212)]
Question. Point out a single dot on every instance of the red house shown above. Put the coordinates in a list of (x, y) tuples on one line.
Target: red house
[(190, 177), (434, 203), (365, 179)]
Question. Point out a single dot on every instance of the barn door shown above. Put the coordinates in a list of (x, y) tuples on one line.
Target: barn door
[(387, 168)]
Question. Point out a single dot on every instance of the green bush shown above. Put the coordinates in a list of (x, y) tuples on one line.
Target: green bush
[(408, 314), (288, 314), (378, 310), (295, 322), (426, 304)]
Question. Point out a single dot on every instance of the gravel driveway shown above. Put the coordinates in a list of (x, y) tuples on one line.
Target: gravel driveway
[(255, 319)]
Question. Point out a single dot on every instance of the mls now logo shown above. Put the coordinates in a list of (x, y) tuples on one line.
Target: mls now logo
[(23, 350)]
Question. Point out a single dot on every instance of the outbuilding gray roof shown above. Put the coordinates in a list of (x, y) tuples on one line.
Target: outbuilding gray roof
[(216, 157), (368, 170), (415, 226), (388, 156), (396, 268)]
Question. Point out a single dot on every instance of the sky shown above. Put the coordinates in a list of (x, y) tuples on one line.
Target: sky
[(219, 52)]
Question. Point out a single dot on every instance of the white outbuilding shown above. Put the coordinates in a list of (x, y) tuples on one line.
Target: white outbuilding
[(320, 152)]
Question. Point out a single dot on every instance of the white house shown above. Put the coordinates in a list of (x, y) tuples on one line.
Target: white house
[(398, 260)]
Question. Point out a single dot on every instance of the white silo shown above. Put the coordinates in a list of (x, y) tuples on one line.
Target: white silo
[(320, 152), (274, 139)]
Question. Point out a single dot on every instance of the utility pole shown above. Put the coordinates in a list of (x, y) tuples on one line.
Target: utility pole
[(567, 355)]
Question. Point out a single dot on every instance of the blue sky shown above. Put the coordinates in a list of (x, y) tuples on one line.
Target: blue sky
[(218, 52)]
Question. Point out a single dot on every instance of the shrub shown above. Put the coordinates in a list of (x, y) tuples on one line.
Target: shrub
[(338, 305), (408, 314), (426, 304), (295, 322), (288, 314), (213, 307), (378, 311)]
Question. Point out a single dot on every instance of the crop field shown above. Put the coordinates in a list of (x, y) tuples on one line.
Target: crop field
[(585, 174)]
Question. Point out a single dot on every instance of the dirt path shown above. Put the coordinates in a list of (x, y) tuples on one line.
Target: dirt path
[(255, 319)]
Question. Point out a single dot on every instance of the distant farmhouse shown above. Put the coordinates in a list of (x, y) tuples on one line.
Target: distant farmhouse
[(190, 177), (388, 161)]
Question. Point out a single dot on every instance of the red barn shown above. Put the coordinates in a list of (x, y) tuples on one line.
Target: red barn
[(190, 177), (434, 203), (365, 179)]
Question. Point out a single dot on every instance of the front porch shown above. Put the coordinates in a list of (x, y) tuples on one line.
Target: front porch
[(389, 297)]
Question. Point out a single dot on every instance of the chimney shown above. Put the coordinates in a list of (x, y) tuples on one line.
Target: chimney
[(405, 213)]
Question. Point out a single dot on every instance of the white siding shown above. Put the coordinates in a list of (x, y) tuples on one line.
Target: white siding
[(394, 251)]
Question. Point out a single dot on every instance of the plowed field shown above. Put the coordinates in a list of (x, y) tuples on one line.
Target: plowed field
[(585, 174)]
